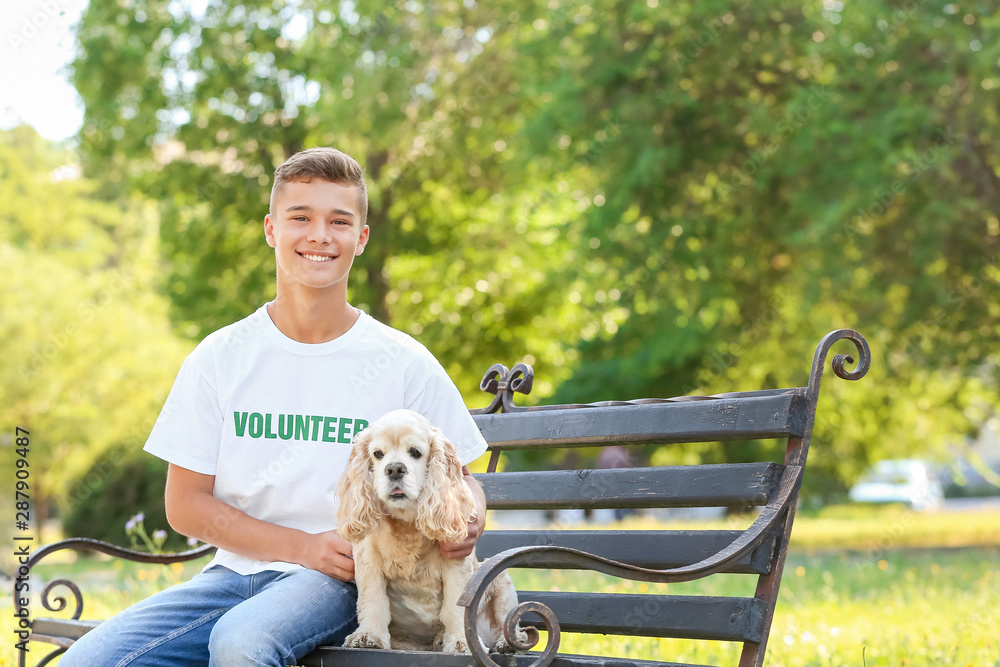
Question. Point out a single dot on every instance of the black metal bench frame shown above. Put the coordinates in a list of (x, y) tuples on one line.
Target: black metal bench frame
[(652, 556)]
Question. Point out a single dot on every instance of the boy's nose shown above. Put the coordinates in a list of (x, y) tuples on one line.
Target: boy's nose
[(320, 233), (395, 471)]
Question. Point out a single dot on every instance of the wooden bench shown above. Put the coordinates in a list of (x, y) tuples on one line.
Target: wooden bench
[(641, 555)]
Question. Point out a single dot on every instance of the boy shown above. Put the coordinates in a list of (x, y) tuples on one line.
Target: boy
[(257, 430)]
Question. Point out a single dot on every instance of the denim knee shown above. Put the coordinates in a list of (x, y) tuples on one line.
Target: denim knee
[(231, 646)]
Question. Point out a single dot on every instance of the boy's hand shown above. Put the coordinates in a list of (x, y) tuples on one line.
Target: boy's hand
[(466, 546), (330, 554), (476, 526)]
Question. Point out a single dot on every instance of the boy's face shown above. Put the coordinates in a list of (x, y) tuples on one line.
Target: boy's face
[(316, 233)]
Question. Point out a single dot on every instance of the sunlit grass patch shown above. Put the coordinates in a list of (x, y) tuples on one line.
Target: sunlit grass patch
[(923, 607), (862, 587)]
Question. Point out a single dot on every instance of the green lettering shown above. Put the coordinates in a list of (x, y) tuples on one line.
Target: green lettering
[(329, 426), (285, 426), (317, 420), (256, 425), (344, 433), (359, 425), (241, 424), (268, 433), (301, 427)]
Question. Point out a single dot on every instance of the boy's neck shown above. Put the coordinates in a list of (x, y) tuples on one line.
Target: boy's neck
[(310, 320)]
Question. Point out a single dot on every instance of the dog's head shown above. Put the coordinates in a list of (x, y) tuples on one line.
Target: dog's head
[(403, 467)]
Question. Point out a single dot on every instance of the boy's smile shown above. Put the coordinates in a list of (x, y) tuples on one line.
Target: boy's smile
[(316, 231)]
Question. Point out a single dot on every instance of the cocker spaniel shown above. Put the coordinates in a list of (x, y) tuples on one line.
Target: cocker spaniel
[(403, 492)]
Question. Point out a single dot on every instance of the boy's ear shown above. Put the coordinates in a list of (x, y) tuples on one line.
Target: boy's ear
[(269, 230), (362, 241)]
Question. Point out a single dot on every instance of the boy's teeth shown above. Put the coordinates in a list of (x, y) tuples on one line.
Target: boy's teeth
[(318, 258)]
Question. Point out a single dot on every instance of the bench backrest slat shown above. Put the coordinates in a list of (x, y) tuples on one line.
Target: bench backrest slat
[(709, 420), (653, 549), (727, 485), (686, 617)]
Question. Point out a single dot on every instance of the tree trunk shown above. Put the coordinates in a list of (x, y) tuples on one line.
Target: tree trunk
[(382, 241)]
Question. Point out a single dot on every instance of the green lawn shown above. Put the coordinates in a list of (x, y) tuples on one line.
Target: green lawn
[(899, 589), (917, 607)]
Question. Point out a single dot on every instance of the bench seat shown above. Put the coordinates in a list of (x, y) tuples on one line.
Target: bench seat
[(351, 657)]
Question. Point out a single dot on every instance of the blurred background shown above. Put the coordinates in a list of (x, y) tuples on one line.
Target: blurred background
[(638, 198)]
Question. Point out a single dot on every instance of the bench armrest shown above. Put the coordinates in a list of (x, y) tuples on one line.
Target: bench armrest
[(63, 633), (87, 544), (772, 515)]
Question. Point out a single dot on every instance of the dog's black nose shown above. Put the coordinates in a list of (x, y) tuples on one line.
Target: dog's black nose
[(395, 470)]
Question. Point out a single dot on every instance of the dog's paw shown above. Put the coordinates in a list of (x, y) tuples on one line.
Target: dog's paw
[(455, 645), (365, 639), (503, 646)]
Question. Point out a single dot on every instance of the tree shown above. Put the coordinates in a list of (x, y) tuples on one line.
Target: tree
[(776, 171), (644, 199), (89, 352), (197, 108)]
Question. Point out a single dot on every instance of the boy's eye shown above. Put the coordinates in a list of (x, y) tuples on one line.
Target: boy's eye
[(378, 454), (414, 452)]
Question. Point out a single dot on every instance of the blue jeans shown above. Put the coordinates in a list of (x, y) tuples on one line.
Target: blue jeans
[(223, 619)]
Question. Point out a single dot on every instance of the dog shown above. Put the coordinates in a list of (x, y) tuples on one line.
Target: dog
[(402, 493)]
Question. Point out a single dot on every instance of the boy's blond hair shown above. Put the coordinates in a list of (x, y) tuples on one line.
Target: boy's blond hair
[(326, 163)]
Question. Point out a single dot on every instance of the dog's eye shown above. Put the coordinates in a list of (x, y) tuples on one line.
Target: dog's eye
[(414, 452), (378, 454)]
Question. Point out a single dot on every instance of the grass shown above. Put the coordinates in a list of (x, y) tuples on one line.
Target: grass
[(921, 607), (861, 587)]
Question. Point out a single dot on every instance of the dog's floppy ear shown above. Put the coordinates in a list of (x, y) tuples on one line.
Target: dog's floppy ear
[(446, 502), (357, 512)]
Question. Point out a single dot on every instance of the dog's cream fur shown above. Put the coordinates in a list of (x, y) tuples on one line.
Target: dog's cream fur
[(403, 492)]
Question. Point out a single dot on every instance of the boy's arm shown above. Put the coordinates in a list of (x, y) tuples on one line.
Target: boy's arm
[(468, 545), (194, 511)]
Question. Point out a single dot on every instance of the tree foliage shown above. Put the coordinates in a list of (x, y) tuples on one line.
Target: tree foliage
[(641, 198), (89, 353), (762, 173), (197, 108)]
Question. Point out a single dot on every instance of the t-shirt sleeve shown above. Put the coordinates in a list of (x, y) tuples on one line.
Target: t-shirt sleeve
[(441, 403), (188, 431)]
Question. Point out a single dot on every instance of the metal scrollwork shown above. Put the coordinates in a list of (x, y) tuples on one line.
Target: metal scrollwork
[(50, 657), (510, 632), (58, 603), (551, 627), (841, 360), (502, 383), (61, 601)]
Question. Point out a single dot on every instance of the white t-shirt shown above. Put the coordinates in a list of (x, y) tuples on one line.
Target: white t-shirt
[(272, 418)]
